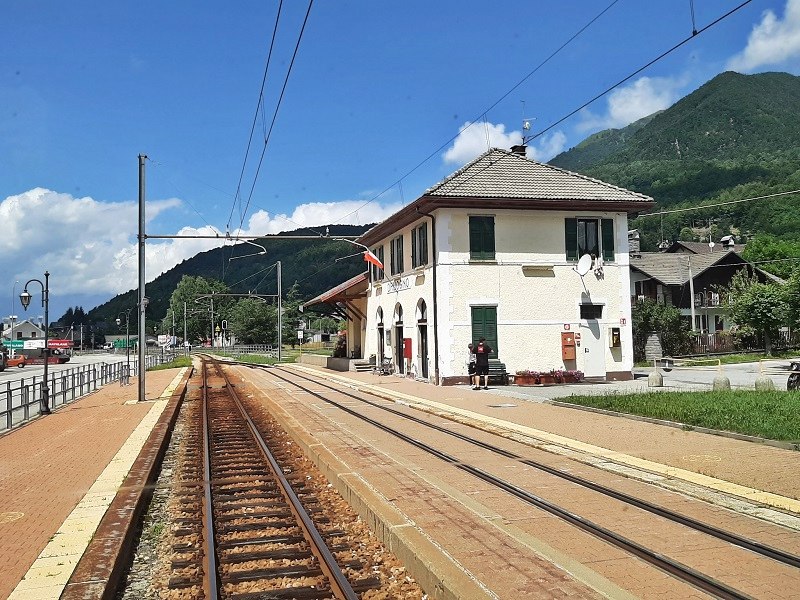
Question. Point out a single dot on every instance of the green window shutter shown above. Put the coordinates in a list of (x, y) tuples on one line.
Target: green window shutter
[(414, 257), (400, 254), (488, 239), (481, 238), (571, 238), (423, 244), (607, 227)]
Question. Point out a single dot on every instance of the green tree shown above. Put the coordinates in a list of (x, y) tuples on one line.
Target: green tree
[(762, 306), (253, 322), (198, 316), (648, 316), (291, 314)]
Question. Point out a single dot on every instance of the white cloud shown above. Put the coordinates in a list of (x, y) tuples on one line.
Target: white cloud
[(772, 41), (628, 104), (471, 142), (90, 248)]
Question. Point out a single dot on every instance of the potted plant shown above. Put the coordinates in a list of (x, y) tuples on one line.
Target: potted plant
[(526, 377), (548, 378), (572, 376)]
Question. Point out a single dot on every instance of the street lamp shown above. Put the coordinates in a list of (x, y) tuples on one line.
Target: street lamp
[(25, 298), (127, 341)]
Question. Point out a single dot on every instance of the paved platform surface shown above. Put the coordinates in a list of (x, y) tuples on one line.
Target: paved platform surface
[(57, 474)]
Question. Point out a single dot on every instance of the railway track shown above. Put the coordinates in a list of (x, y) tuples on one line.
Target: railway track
[(655, 558), (248, 528)]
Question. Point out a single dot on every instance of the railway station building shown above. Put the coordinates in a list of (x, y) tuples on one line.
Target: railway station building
[(529, 256)]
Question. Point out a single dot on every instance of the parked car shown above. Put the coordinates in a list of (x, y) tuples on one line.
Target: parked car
[(20, 360)]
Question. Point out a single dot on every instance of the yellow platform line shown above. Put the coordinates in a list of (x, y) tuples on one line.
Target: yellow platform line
[(720, 485)]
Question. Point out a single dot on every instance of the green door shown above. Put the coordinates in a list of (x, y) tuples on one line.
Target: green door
[(484, 324)]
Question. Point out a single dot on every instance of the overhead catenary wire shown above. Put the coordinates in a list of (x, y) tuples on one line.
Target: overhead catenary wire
[(259, 109), (705, 206)]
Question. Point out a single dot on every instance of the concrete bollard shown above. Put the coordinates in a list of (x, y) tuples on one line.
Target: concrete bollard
[(655, 379), (764, 384), (721, 383)]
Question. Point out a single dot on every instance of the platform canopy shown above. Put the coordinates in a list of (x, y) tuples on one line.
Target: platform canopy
[(342, 296)]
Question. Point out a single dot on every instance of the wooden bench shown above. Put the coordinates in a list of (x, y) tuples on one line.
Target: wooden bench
[(497, 371)]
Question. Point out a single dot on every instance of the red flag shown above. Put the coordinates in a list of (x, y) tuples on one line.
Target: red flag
[(371, 258)]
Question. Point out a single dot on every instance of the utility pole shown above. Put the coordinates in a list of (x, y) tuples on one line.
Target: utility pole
[(280, 314), (185, 339), (142, 297), (691, 288), (212, 322)]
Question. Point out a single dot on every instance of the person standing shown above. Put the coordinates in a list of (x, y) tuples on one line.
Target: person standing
[(482, 351), (471, 363)]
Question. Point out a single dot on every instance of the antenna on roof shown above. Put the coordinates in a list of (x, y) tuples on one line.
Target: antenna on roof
[(527, 124)]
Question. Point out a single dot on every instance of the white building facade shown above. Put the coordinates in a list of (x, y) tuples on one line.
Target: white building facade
[(492, 251)]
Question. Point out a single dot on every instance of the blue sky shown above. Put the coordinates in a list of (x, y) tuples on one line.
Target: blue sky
[(375, 89)]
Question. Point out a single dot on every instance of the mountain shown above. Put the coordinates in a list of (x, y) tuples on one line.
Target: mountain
[(735, 137), (312, 263)]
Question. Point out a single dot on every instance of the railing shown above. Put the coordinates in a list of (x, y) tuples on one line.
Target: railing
[(20, 400), (721, 342)]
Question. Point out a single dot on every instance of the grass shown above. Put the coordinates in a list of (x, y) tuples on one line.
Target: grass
[(725, 359), (178, 361), (773, 415)]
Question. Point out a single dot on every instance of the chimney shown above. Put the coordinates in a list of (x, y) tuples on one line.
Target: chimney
[(633, 241), (519, 149), (728, 242)]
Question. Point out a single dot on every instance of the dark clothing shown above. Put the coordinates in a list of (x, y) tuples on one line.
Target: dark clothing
[(482, 351), (481, 369), (471, 368)]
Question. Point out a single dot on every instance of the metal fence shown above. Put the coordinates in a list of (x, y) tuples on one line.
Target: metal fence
[(719, 342), (21, 400)]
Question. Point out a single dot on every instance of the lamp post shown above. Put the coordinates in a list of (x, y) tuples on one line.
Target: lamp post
[(25, 298), (127, 341), (12, 317)]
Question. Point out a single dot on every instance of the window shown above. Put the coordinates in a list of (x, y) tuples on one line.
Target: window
[(377, 273), (484, 325), (419, 246), (396, 248), (589, 236), (591, 311), (481, 238)]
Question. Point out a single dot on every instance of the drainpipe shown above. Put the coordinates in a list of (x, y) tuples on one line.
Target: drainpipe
[(435, 296)]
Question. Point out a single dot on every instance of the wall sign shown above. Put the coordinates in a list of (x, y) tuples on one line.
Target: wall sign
[(399, 284)]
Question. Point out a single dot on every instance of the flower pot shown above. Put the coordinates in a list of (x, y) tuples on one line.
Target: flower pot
[(525, 380), (547, 379)]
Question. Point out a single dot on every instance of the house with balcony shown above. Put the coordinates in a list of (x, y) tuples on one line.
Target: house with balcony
[(493, 251), (691, 276)]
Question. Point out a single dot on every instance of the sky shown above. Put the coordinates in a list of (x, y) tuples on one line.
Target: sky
[(375, 103)]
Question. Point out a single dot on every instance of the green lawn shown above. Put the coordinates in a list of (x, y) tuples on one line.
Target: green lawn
[(179, 361), (773, 415)]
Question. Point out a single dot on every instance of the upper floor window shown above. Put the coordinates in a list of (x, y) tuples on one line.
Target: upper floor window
[(589, 236), (376, 272), (481, 238), (396, 249), (419, 245)]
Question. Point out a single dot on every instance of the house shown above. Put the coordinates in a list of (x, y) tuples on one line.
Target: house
[(22, 330), (690, 277), (493, 251)]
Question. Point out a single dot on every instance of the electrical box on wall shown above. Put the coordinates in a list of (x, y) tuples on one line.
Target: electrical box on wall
[(407, 348), (567, 345), (614, 337)]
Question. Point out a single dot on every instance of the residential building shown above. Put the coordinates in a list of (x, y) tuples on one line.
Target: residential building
[(22, 330)]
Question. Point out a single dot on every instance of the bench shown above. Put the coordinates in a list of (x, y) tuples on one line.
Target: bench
[(497, 371)]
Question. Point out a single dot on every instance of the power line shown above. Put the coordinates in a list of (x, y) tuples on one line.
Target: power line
[(259, 107), (483, 114), (639, 70), (678, 210), (275, 113)]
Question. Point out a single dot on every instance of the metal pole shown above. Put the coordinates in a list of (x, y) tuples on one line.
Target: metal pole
[(691, 288), (185, 346), (280, 314), (127, 345), (212, 322), (142, 298), (45, 384)]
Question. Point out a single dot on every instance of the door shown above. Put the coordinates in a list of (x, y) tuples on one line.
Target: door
[(398, 348), (423, 350), (484, 325), (593, 349)]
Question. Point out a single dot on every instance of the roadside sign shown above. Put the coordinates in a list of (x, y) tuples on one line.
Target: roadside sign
[(299, 334), (14, 344), (59, 343)]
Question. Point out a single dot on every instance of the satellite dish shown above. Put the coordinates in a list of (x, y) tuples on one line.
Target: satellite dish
[(584, 264)]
